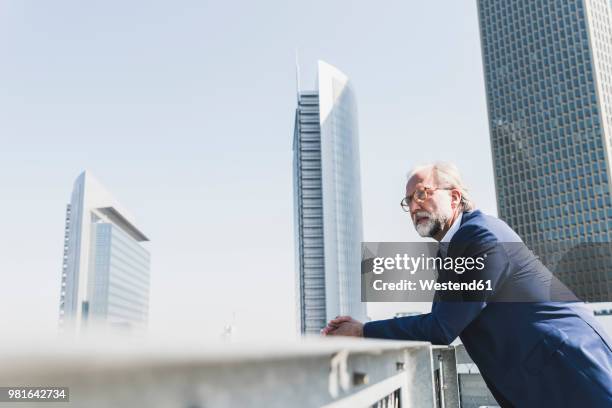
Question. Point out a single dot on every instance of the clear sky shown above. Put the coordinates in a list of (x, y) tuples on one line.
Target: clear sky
[(184, 111)]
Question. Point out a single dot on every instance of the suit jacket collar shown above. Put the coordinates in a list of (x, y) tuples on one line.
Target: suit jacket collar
[(469, 215), (444, 246)]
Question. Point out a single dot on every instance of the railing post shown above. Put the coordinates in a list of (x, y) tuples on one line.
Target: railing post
[(445, 375)]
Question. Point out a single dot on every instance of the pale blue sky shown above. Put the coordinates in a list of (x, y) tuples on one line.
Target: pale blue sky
[(184, 110)]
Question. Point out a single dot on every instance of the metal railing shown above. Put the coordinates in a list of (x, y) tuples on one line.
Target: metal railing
[(322, 372)]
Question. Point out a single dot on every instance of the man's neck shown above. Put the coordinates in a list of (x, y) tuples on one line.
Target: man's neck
[(447, 225)]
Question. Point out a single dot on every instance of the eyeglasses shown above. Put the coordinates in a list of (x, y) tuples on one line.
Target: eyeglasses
[(420, 195)]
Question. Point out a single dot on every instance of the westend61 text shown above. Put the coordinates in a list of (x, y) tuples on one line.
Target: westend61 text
[(432, 285)]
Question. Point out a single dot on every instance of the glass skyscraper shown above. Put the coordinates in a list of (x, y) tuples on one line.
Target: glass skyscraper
[(327, 202), (105, 274), (548, 76)]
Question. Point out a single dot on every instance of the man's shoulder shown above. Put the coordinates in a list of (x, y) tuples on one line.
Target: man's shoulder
[(478, 226)]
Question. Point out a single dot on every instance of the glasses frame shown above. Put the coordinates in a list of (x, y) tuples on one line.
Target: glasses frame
[(405, 203)]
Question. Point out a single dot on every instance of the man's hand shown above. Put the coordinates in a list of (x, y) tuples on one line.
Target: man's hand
[(343, 326)]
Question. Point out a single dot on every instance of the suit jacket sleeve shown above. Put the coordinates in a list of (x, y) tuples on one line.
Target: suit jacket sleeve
[(447, 319)]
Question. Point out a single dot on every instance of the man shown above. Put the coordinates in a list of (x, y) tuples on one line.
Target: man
[(530, 354)]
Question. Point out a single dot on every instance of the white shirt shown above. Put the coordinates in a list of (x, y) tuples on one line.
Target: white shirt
[(449, 235), (451, 231)]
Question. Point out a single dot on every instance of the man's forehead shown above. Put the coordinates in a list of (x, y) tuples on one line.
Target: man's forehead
[(420, 177)]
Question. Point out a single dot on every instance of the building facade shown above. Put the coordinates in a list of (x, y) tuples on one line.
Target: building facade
[(548, 76), (327, 202), (105, 274)]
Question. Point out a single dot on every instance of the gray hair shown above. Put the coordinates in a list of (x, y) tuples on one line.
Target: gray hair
[(447, 175)]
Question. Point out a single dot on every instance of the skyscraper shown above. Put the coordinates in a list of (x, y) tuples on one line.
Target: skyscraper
[(105, 274), (327, 202), (548, 76)]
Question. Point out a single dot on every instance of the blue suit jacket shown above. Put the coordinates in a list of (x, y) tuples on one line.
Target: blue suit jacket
[(531, 354)]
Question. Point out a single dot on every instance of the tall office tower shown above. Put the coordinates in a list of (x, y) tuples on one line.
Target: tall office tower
[(105, 275), (327, 202), (548, 76)]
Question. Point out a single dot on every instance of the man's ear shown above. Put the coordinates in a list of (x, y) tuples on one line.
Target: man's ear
[(455, 198)]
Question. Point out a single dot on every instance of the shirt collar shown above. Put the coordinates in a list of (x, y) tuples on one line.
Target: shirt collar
[(452, 230)]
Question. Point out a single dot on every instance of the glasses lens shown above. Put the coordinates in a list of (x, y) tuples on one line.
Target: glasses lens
[(420, 195)]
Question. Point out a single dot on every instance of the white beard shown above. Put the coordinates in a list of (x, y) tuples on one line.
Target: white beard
[(426, 229), (433, 225)]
